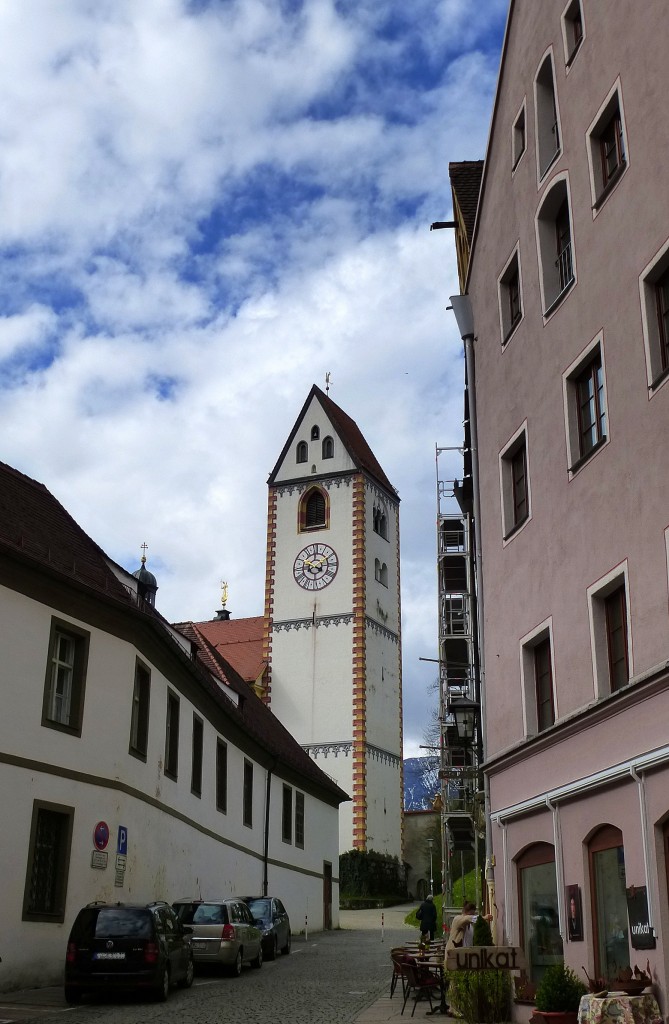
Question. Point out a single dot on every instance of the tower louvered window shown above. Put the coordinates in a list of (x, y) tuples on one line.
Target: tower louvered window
[(315, 510)]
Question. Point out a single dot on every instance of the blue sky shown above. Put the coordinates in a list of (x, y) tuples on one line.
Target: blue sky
[(205, 207)]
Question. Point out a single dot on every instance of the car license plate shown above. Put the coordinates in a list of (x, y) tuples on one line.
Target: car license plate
[(199, 945), (109, 956)]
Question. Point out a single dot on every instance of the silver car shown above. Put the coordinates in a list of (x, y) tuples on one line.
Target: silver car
[(224, 932)]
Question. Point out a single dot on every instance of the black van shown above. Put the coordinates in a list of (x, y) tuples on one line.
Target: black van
[(118, 946)]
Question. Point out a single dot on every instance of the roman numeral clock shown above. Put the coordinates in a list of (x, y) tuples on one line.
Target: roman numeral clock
[(315, 566)]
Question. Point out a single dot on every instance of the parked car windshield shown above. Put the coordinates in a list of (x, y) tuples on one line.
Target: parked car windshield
[(260, 908), (201, 913), (114, 923)]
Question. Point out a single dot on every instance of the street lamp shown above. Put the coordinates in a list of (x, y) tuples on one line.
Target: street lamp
[(465, 713), (431, 844)]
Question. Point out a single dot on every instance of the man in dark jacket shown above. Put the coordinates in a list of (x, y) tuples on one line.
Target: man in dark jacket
[(427, 915)]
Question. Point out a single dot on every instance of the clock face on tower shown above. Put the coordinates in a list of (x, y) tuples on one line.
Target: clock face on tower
[(315, 566)]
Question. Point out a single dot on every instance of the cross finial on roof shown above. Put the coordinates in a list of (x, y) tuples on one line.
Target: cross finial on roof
[(327, 383), (224, 593), (145, 548)]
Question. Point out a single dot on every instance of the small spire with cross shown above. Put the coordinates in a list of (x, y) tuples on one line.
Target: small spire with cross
[(327, 382), (145, 548)]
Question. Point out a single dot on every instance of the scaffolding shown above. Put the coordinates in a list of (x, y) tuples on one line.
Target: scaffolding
[(458, 676)]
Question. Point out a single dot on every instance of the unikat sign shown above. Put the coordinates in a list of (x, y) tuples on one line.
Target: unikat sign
[(486, 958)]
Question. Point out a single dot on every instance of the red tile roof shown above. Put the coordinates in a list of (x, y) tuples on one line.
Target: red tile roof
[(351, 435), (239, 641)]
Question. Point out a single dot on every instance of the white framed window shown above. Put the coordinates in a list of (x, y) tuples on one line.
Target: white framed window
[(547, 116), (537, 676), (610, 631), (607, 147), (519, 136), (509, 292), (515, 483), (557, 264), (65, 682), (573, 31), (654, 291), (585, 406)]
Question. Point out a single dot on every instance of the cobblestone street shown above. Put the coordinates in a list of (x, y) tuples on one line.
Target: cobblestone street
[(328, 979)]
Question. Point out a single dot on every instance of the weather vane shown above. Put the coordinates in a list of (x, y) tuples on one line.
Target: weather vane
[(327, 383), (224, 593)]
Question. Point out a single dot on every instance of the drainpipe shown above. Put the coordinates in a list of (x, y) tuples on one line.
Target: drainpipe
[(462, 308), (641, 783), (559, 863), (265, 856)]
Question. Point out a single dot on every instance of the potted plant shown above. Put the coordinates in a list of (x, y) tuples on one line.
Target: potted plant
[(558, 995)]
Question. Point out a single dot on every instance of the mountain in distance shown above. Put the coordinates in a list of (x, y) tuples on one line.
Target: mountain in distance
[(421, 782)]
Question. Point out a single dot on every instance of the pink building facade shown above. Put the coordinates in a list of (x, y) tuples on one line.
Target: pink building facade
[(567, 271)]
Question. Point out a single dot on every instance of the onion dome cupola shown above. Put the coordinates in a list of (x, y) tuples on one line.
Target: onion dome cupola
[(146, 581)]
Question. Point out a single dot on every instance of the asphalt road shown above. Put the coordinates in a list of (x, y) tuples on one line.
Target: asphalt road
[(329, 978)]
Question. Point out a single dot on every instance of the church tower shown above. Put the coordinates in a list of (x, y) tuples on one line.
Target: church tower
[(332, 634)]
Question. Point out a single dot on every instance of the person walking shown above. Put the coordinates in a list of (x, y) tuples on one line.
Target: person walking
[(427, 915)]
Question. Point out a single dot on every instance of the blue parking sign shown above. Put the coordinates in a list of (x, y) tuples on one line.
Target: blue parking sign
[(122, 842)]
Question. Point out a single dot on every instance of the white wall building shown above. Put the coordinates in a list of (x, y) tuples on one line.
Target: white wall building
[(134, 763)]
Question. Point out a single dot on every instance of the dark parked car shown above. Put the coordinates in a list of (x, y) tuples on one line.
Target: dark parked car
[(273, 921), (224, 932), (127, 946)]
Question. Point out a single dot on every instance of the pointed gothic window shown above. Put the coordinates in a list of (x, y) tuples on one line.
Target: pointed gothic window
[(314, 508), (302, 452), (380, 521), (328, 448)]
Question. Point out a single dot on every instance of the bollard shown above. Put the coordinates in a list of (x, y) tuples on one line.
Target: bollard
[(382, 926), (306, 928)]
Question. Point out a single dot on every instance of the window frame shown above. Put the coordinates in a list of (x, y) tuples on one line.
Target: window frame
[(138, 745), (577, 454), (301, 453), (545, 696), (597, 594), (539, 854), (299, 819), (519, 136), (56, 916), (380, 520), (603, 179), (172, 719), (80, 639), (607, 837), (512, 519), (546, 108), (555, 285), (528, 644), (573, 41), (327, 447), (303, 526), (508, 321), (221, 775), (247, 794), (287, 815), (656, 346), (197, 755)]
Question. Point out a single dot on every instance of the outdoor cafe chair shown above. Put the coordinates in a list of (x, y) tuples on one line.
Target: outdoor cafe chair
[(398, 956), (420, 981)]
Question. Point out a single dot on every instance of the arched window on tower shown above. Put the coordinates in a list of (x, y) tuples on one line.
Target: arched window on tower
[(377, 570), (328, 448), (314, 510), (315, 433), (383, 578), (302, 453), (380, 521)]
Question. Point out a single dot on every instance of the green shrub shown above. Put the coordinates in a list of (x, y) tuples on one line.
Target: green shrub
[(482, 933), (367, 873), (482, 997), (559, 991)]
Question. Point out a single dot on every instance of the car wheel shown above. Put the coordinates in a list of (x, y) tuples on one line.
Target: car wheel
[(286, 948), (73, 995), (272, 949), (257, 963), (236, 969), (187, 979), (163, 989)]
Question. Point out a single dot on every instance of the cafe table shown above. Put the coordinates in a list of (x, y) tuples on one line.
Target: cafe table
[(618, 1008)]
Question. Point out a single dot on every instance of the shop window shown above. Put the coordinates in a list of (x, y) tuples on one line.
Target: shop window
[(48, 862), (539, 913), (609, 902), (547, 120)]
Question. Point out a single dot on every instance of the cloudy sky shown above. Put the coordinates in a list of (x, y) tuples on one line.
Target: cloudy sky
[(205, 207)]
